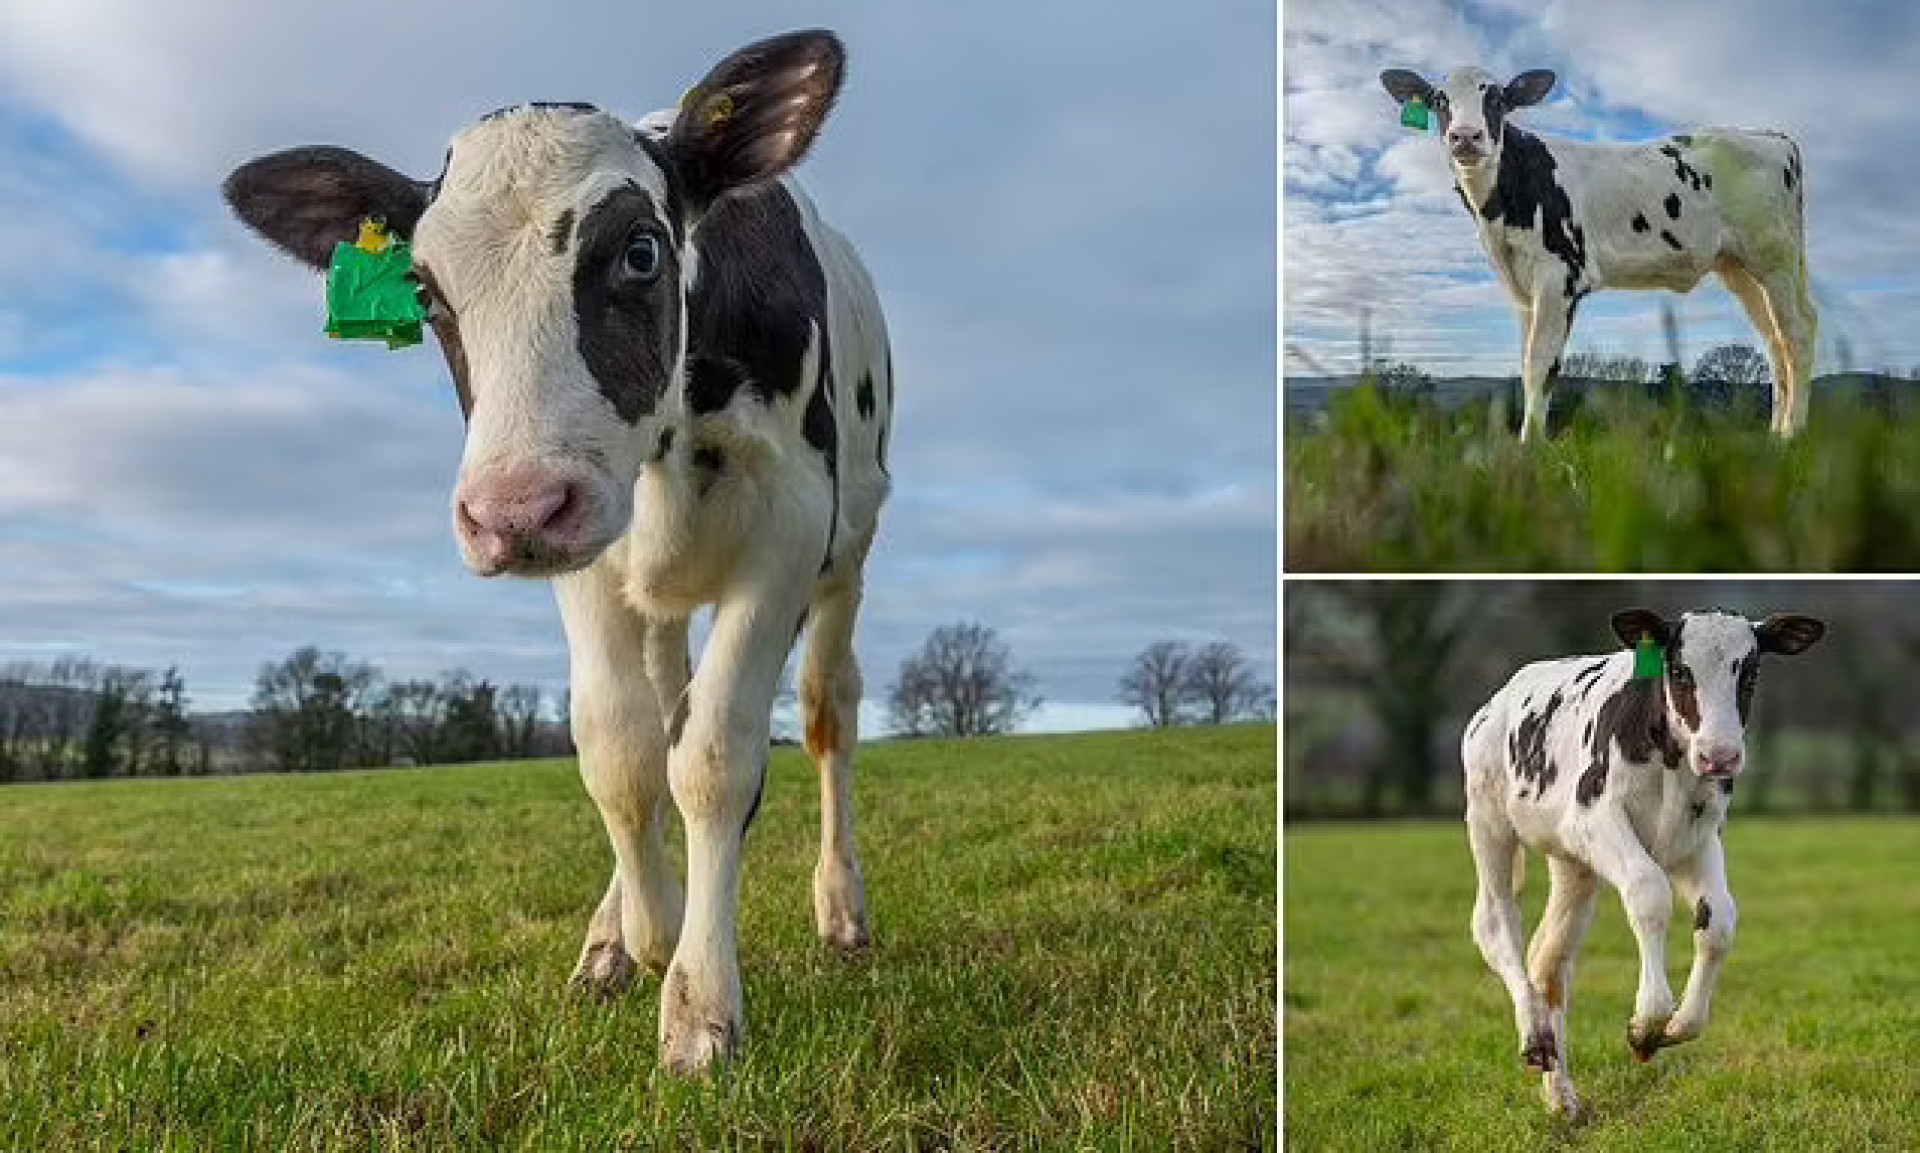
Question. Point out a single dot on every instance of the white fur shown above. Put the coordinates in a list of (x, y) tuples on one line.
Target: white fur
[(752, 547)]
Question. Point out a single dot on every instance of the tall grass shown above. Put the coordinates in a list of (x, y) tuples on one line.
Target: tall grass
[(1389, 481)]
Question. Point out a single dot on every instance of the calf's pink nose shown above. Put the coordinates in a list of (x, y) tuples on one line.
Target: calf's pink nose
[(1719, 760), (503, 515)]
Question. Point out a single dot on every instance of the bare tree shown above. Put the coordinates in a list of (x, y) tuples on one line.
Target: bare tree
[(306, 709), (1223, 686), (1156, 683), (1599, 366), (519, 711), (1733, 364), (962, 683)]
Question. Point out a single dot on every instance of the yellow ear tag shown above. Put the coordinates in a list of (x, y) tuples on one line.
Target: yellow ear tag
[(373, 235)]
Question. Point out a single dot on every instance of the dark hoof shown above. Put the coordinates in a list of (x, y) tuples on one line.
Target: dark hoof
[(1644, 1046), (1539, 1055)]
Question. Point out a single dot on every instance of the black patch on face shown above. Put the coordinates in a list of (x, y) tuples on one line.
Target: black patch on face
[(1526, 188), (1671, 241), (1682, 171), (1493, 104), (1702, 915), (629, 329), (1673, 205), (1746, 674), (1635, 719), (562, 233), (678, 721), (711, 383), (863, 397), (446, 329), (1527, 748), (1640, 223)]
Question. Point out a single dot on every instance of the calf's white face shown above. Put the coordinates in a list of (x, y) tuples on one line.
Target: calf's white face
[(1470, 106), (554, 254), (1712, 667)]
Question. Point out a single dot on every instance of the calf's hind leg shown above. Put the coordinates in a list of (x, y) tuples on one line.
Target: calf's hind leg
[(1557, 941), (830, 716), (1497, 930)]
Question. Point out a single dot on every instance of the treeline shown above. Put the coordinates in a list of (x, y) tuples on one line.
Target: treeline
[(1381, 677), (313, 711)]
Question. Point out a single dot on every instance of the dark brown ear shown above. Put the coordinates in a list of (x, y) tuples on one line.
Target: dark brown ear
[(1403, 85), (754, 116), (1529, 88), (1632, 624), (1788, 634), (306, 200)]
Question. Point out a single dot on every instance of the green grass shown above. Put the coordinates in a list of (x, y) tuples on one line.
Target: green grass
[(1393, 483), (1397, 1036), (1074, 947)]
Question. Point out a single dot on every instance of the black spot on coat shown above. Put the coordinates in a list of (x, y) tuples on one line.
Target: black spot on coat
[(1526, 189), (863, 397), (1702, 914), (1527, 747), (1640, 223), (1673, 205), (562, 233), (1671, 241), (1634, 719)]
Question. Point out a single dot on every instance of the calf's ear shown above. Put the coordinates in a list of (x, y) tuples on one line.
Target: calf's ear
[(306, 200), (754, 116), (1529, 88), (1403, 85), (1632, 624), (1788, 633)]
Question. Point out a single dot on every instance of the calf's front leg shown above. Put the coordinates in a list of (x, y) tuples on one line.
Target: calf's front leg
[(1547, 322), (1647, 896), (716, 764), (1702, 883)]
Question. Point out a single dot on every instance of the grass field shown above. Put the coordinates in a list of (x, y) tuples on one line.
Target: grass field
[(1393, 483), (1074, 947), (1398, 1037)]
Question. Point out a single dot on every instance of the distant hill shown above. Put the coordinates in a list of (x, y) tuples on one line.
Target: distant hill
[(1305, 395)]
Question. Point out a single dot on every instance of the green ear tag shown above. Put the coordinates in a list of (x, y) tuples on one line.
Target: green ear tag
[(1413, 114), (1649, 659), (371, 293)]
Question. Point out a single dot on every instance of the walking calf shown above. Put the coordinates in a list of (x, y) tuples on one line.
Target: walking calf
[(1626, 778), (1561, 218), (677, 389)]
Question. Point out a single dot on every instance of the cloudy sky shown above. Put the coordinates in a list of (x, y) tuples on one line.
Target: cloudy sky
[(1068, 208), (1372, 223)]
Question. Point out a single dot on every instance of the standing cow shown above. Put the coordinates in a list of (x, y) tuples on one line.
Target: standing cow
[(1561, 218), (677, 389), (1622, 774)]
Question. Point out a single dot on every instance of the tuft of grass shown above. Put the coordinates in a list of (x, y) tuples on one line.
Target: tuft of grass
[(1397, 1036), (1394, 482), (1074, 947)]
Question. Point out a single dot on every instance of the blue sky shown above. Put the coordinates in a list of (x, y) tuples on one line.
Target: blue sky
[(1080, 290), (1371, 222)]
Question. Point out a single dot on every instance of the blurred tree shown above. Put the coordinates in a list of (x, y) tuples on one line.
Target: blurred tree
[(307, 707), (171, 729), (1599, 366), (519, 710), (1733, 364), (1156, 683)]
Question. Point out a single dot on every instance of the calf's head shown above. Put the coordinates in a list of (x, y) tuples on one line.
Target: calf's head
[(1712, 666), (554, 257), (1471, 106)]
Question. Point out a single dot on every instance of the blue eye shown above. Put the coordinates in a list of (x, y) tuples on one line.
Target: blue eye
[(642, 259)]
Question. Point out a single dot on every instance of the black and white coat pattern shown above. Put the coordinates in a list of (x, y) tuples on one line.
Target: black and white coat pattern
[(1560, 219), (1625, 779), (677, 386)]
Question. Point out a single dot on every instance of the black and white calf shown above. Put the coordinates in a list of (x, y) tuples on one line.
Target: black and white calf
[(1561, 218), (677, 388), (1625, 778)]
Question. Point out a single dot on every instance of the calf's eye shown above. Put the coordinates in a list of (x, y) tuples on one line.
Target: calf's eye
[(641, 261)]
